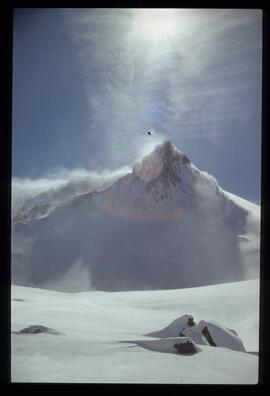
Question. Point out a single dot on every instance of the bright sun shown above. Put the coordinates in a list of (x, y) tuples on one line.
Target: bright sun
[(156, 24)]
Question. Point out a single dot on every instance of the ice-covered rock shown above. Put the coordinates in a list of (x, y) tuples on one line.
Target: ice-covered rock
[(184, 326), (173, 329), (221, 336), (204, 333)]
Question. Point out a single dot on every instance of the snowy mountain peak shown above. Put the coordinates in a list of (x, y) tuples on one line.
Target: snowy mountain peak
[(167, 152), (165, 225), (164, 162)]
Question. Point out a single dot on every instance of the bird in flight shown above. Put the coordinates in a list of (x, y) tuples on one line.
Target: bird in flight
[(149, 133)]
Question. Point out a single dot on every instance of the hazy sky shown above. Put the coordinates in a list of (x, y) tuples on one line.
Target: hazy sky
[(89, 83)]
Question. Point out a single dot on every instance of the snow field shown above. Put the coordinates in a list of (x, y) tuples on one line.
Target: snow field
[(96, 324)]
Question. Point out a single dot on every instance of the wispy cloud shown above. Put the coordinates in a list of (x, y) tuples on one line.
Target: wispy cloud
[(26, 188), (187, 87)]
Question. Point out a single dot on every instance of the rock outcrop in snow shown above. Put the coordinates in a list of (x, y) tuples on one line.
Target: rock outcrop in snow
[(221, 336), (181, 345), (37, 329), (181, 327), (186, 346), (165, 225), (203, 333)]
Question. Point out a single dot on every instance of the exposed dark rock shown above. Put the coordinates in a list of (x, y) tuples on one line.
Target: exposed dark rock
[(208, 336), (186, 347), (37, 329), (185, 159), (191, 322)]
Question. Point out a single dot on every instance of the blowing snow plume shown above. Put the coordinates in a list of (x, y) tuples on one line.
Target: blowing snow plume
[(164, 225), (58, 187)]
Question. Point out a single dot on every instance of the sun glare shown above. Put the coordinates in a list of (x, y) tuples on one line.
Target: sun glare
[(156, 25)]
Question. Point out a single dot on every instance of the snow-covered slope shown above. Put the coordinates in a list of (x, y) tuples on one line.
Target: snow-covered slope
[(164, 225), (97, 326), (43, 203), (249, 243)]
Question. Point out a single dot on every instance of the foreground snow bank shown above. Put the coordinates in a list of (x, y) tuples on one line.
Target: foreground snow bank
[(96, 323)]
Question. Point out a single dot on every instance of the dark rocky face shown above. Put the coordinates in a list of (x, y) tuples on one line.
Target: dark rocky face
[(208, 336), (186, 348), (37, 329), (191, 322)]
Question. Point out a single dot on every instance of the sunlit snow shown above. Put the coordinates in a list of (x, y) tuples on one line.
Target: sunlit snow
[(96, 324)]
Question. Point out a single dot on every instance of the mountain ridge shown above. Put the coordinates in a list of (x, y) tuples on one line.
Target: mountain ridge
[(164, 211)]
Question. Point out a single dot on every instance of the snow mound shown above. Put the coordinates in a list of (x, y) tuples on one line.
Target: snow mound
[(222, 336), (174, 328), (37, 329), (183, 345), (183, 326), (204, 333)]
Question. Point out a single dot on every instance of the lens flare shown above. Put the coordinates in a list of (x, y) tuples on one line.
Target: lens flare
[(156, 25)]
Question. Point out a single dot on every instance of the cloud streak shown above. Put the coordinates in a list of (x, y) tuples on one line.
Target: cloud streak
[(190, 85), (80, 180)]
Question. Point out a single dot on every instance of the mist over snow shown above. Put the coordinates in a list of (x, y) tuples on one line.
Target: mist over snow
[(23, 189), (81, 180), (163, 225)]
